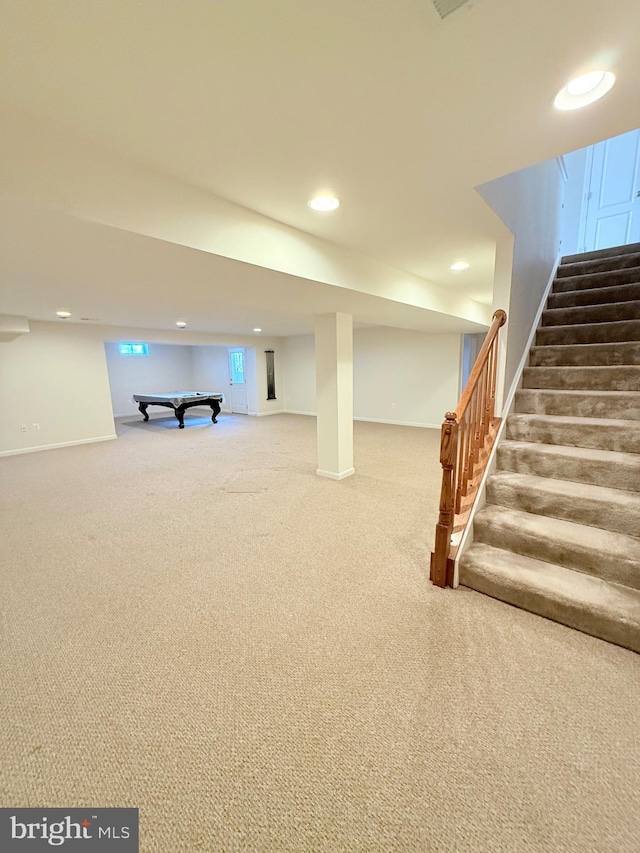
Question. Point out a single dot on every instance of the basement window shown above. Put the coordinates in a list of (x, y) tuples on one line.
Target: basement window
[(132, 348)]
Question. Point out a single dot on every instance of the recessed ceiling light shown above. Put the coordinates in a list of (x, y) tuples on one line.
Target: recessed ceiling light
[(181, 324), (584, 90), (324, 203), (63, 314), (459, 265), (257, 330)]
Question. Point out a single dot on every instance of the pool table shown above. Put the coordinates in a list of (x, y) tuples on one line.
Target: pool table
[(179, 401)]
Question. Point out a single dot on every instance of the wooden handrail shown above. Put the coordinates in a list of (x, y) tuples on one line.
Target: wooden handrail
[(467, 436)]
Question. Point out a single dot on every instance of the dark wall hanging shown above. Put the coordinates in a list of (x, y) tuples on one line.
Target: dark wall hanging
[(271, 375)]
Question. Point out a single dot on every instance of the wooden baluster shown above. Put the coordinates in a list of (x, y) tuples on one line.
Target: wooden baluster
[(461, 463), (485, 400), (475, 447), (494, 369), (481, 413), (440, 568), (463, 440), (464, 454), (491, 371)]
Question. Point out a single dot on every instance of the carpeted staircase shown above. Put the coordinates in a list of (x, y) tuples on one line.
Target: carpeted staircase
[(560, 532)]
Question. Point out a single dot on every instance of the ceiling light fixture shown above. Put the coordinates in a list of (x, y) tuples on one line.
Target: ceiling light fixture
[(181, 324), (257, 330), (63, 314), (459, 265), (584, 90), (324, 203)]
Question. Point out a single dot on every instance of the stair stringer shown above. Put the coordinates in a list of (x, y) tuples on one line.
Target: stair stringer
[(508, 408)]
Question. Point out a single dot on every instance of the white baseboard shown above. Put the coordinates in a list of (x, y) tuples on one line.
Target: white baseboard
[(332, 476), (399, 423), (371, 420), (54, 446), (266, 414)]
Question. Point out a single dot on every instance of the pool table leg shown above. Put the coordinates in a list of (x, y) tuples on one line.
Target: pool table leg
[(215, 408), (180, 416), (143, 409)]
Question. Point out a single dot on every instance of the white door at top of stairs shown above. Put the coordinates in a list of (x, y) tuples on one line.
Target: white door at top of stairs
[(612, 205)]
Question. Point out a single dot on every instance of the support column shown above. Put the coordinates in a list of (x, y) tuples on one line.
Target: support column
[(334, 395)]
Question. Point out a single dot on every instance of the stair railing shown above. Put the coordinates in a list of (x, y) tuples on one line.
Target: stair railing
[(465, 445)]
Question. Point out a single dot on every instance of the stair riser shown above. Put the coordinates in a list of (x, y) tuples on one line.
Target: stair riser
[(566, 613), (588, 267), (600, 279), (578, 378), (595, 513), (591, 333), (613, 252), (621, 439), (540, 402), (610, 474), (585, 355), (569, 554), (595, 296), (607, 313)]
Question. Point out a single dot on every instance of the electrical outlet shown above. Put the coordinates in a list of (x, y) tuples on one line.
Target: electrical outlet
[(36, 427), (23, 427), (393, 405)]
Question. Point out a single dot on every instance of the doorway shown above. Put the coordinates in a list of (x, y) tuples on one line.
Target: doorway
[(611, 208), (237, 381)]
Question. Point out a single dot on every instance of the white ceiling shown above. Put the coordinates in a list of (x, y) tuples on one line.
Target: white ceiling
[(263, 103)]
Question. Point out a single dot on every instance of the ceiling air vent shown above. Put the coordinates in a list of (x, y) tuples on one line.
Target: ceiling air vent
[(444, 8)]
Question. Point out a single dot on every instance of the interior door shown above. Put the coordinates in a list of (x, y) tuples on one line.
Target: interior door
[(237, 381), (613, 200)]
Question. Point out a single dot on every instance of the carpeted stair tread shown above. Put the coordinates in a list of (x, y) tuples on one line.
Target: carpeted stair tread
[(589, 604), (595, 296), (587, 266), (596, 433), (596, 279), (594, 377), (608, 468), (594, 506), (623, 405), (611, 252), (627, 352), (610, 555), (587, 333), (602, 313), (560, 532)]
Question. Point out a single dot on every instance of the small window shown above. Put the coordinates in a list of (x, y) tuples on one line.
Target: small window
[(131, 348)]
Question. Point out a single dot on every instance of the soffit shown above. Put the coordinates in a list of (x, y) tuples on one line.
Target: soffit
[(263, 103)]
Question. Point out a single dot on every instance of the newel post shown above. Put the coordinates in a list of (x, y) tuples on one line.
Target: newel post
[(441, 565)]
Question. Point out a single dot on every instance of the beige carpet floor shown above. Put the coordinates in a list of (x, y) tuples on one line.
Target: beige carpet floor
[(195, 624)]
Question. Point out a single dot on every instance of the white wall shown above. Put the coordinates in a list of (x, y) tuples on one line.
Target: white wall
[(299, 366), (167, 368), (405, 377), (574, 196), (398, 376), (56, 376), (210, 371), (529, 204), (58, 380)]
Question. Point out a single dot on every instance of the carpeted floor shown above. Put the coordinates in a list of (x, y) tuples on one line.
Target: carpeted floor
[(195, 624)]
